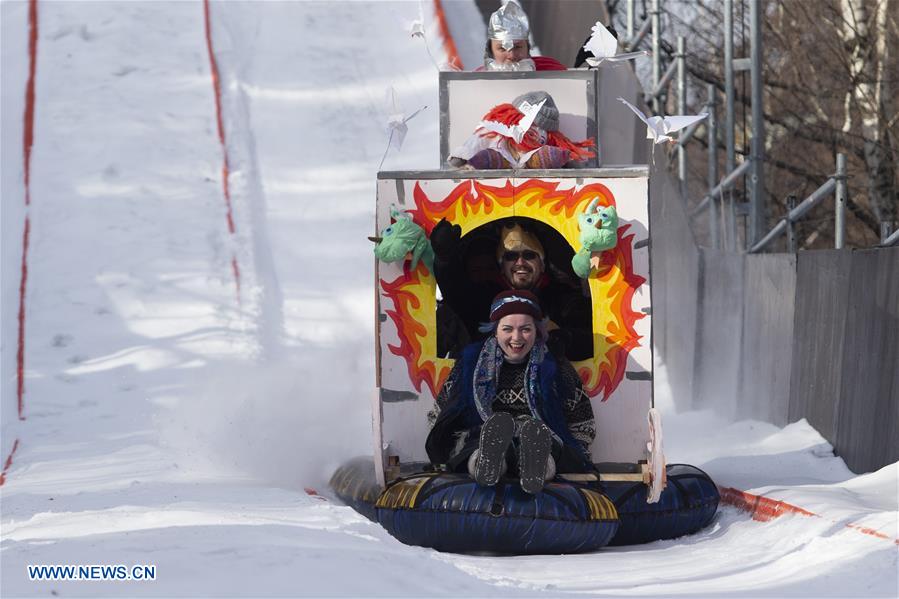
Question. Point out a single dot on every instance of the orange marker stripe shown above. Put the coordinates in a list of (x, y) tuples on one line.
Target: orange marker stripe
[(220, 123), (764, 509), (8, 462), (449, 45)]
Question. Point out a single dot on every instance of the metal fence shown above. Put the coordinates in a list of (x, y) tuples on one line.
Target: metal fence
[(780, 337), (775, 336), (770, 336), (718, 203)]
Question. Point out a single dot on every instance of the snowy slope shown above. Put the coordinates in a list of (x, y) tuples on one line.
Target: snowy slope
[(175, 413)]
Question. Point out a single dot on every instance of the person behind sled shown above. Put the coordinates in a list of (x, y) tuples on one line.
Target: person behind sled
[(509, 406), (463, 270), (542, 146), (508, 47)]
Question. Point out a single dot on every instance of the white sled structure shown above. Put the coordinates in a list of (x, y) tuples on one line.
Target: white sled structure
[(618, 374), (591, 225)]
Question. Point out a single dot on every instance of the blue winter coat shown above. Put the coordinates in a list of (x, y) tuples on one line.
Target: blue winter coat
[(461, 414)]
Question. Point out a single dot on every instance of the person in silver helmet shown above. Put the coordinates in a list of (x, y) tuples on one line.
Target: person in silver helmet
[(508, 47)]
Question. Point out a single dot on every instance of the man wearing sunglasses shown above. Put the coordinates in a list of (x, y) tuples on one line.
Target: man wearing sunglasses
[(520, 256), (522, 264)]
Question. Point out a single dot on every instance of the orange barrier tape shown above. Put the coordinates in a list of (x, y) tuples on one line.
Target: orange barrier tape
[(28, 132), (226, 169), (27, 143), (764, 509), (449, 45), (8, 462), (759, 507)]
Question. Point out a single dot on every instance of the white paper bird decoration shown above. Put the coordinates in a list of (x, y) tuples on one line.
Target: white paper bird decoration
[(417, 30), (658, 127), (602, 43), (516, 132), (604, 47), (396, 123)]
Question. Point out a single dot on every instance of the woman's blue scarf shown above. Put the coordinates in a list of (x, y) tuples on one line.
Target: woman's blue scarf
[(486, 377)]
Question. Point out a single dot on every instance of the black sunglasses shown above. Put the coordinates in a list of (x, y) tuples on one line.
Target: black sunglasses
[(526, 254)]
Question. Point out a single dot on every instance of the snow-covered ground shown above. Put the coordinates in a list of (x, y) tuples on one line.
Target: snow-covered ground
[(174, 413)]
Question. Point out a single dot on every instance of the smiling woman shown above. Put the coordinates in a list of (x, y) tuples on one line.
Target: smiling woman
[(509, 405), (516, 335)]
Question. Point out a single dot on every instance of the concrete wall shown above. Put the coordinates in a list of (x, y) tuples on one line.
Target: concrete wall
[(813, 335), (675, 271), (822, 296), (561, 28), (769, 288), (720, 297), (866, 414)]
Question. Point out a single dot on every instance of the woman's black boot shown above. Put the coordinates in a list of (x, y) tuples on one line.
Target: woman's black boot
[(496, 436), (534, 450)]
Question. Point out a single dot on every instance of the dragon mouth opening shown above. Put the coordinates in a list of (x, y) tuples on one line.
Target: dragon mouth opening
[(472, 204)]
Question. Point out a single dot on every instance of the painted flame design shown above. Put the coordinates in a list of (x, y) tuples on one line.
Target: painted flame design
[(415, 301), (472, 204)]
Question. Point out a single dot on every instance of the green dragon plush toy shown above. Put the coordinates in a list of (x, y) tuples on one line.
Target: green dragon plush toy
[(402, 237), (599, 232)]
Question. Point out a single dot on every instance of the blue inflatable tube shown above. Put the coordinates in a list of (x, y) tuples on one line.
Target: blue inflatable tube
[(449, 512), (687, 505)]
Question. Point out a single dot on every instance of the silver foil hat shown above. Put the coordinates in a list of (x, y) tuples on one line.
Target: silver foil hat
[(508, 24)]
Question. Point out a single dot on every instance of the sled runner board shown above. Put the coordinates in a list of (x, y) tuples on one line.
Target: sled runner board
[(574, 92), (410, 373)]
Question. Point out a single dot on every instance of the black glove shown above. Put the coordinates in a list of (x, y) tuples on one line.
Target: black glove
[(558, 341), (445, 239), (582, 55)]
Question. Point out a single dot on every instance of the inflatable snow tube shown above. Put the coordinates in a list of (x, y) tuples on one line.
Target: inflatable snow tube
[(450, 512), (687, 505), (355, 485)]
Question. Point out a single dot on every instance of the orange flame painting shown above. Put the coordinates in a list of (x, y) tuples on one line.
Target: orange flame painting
[(471, 204)]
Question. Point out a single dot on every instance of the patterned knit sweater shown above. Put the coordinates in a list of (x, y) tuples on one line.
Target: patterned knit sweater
[(510, 398)]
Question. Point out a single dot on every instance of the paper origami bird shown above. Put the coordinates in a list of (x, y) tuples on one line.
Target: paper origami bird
[(599, 232), (517, 131), (604, 47), (401, 238), (396, 123), (658, 127), (417, 29)]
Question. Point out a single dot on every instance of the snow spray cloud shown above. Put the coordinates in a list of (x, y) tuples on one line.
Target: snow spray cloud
[(289, 422)]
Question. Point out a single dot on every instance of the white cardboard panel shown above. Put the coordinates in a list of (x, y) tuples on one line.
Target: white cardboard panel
[(573, 98), (621, 418)]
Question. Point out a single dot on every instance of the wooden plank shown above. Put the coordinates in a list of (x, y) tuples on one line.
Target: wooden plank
[(867, 418), (675, 266), (822, 296), (769, 285), (718, 337), (611, 171)]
